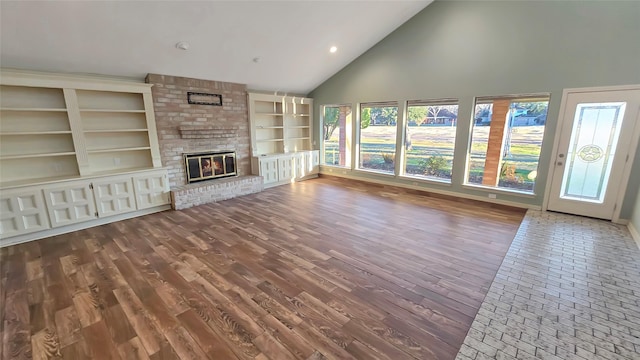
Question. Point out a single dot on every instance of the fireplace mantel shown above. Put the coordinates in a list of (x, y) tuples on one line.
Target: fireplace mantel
[(207, 131)]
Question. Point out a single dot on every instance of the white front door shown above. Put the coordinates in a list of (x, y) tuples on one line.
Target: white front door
[(596, 144)]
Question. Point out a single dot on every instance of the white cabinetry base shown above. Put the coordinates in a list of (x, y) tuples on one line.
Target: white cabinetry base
[(79, 226), (279, 169), (37, 211)]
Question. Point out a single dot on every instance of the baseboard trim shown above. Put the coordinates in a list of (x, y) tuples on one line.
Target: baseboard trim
[(288, 181), (435, 191), (20, 239), (634, 233)]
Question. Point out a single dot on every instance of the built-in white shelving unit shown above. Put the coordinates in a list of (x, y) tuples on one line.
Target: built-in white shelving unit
[(70, 132), (282, 138)]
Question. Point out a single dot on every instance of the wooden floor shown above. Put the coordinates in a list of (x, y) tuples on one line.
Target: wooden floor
[(319, 269)]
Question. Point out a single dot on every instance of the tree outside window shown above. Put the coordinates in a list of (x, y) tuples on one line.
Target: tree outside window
[(430, 138)]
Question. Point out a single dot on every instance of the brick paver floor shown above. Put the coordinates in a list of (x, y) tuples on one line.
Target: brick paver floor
[(568, 288)]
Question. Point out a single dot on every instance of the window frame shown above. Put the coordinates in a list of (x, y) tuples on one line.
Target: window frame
[(348, 134), (489, 99), (427, 102), (358, 136)]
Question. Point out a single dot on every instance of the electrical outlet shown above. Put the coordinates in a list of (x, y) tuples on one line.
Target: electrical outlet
[(414, 183), (330, 170), (116, 161), (492, 196), (57, 167)]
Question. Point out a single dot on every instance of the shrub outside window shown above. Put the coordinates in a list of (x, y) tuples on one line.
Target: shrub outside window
[(378, 129), (430, 138), (506, 140)]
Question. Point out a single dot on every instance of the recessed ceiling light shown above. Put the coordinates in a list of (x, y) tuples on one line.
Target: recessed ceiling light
[(333, 49), (182, 45)]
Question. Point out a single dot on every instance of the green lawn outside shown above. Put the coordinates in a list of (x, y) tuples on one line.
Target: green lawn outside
[(431, 141)]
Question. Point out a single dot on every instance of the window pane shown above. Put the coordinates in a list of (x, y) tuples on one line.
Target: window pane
[(596, 128), (430, 139), (378, 137), (505, 142), (336, 136)]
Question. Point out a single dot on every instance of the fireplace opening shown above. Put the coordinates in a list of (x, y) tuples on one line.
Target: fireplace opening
[(209, 165)]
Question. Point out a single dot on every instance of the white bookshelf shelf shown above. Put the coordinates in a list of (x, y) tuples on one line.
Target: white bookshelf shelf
[(300, 138), (15, 133), (33, 109), (68, 144), (38, 155), (280, 124), (71, 127), (98, 151)]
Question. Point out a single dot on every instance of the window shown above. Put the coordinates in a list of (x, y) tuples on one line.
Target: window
[(506, 140), (430, 138), (378, 129), (336, 135)]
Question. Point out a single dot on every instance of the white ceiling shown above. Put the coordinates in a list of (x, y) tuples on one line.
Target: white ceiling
[(133, 38)]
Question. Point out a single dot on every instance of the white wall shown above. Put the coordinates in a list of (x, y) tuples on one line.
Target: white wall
[(634, 223)]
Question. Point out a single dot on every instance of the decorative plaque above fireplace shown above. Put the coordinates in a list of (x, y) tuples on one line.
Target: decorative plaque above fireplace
[(202, 166)]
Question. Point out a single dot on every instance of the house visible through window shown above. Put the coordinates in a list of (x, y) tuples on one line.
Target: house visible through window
[(430, 138), (506, 140), (336, 135), (378, 129)]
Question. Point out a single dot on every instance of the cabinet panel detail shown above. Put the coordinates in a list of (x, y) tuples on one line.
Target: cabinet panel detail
[(269, 170), (115, 196), (22, 213), (69, 204), (285, 168), (151, 190)]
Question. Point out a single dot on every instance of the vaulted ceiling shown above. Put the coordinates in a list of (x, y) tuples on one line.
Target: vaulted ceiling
[(269, 45)]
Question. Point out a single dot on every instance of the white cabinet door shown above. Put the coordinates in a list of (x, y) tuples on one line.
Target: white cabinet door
[(306, 163), (301, 162), (22, 212), (69, 204), (315, 162), (114, 196), (269, 169), (151, 190), (285, 168)]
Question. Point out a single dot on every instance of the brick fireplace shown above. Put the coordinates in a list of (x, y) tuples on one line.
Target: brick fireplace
[(185, 128)]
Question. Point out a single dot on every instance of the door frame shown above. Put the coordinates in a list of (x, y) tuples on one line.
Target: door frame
[(626, 172)]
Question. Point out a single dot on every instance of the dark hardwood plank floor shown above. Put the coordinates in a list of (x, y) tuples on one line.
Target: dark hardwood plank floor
[(322, 269)]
